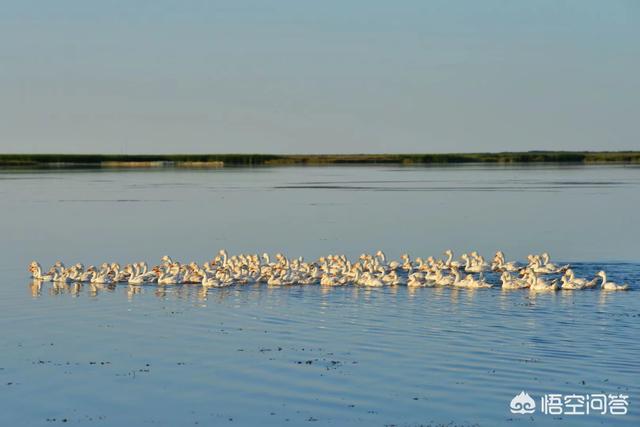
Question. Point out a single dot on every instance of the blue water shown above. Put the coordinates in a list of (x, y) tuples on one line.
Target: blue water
[(254, 355)]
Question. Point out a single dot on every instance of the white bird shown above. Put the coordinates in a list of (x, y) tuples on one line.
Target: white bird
[(468, 282), (101, 278), (449, 263), (538, 284), (509, 282), (499, 264), (370, 280), (611, 286), (416, 280), (209, 281), (331, 270), (167, 276), (36, 272), (474, 266), (570, 282), (546, 262)]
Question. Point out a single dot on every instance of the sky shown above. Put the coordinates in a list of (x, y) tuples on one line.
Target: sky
[(296, 76)]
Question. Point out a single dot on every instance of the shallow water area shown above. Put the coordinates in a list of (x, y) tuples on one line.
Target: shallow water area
[(249, 355)]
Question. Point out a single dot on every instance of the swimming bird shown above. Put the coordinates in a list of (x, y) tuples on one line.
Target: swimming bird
[(473, 266), (570, 282), (371, 270), (36, 272), (611, 286), (416, 280), (449, 263), (100, 278), (538, 284), (510, 282), (167, 275), (468, 282), (545, 258), (499, 264), (209, 281), (368, 279)]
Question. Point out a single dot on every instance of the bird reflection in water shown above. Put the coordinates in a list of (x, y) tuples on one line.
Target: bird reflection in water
[(36, 288), (133, 290), (75, 289)]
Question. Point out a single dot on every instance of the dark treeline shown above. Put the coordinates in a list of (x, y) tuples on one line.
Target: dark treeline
[(142, 160)]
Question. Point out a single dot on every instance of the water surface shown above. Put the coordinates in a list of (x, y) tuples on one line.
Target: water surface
[(306, 355)]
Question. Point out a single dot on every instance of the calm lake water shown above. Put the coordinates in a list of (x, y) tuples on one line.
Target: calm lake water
[(255, 355)]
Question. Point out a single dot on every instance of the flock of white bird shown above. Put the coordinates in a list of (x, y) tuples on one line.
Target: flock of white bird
[(538, 274)]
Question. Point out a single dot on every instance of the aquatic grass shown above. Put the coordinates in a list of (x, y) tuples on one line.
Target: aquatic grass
[(217, 160)]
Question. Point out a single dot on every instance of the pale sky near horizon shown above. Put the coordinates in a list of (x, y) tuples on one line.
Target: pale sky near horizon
[(292, 76)]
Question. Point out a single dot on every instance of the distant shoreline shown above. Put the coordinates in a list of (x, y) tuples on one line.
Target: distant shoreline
[(198, 161)]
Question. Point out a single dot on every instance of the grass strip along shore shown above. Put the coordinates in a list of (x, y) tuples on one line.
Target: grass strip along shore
[(220, 160)]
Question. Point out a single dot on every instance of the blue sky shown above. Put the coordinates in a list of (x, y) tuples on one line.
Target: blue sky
[(310, 77)]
